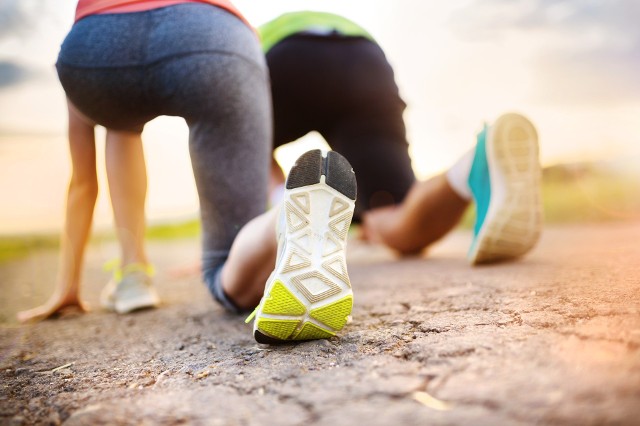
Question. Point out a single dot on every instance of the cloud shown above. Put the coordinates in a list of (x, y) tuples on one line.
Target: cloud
[(582, 50), (17, 16), (12, 73), (495, 16)]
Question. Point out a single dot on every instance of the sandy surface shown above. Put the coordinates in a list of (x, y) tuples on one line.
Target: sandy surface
[(551, 339)]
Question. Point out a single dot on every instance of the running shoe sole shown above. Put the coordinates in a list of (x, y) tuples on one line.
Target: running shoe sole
[(308, 295), (513, 221)]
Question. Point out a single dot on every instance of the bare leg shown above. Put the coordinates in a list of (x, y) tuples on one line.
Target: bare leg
[(81, 198), (430, 210), (251, 260), (127, 175)]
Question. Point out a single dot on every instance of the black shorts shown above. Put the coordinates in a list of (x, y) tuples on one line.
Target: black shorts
[(344, 88)]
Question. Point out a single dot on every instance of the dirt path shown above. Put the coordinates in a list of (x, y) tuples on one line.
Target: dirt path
[(553, 339)]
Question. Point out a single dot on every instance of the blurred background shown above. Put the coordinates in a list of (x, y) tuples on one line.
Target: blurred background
[(571, 66)]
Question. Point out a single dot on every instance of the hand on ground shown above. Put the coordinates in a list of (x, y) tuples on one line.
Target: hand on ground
[(387, 225), (55, 305), (377, 224)]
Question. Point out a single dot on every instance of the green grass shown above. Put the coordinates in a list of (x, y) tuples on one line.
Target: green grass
[(570, 195), (16, 246), (12, 247), (584, 196), (597, 197), (186, 229)]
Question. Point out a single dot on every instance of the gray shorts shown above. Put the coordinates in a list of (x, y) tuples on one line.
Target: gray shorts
[(123, 70)]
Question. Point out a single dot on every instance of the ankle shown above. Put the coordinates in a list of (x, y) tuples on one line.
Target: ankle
[(140, 259), (62, 298)]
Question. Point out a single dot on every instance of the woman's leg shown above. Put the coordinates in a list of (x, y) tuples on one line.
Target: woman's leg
[(230, 155), (131, 287), (225, 100), (82, 194), (127, 175)]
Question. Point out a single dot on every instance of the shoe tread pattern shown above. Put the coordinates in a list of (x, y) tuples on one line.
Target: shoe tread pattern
[(313, 264), (306, 171), (279, 328), (335, 314), (282, 302), (516, 226), (340, 175)]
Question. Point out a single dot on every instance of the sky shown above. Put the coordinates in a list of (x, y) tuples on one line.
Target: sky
[(571, 66)]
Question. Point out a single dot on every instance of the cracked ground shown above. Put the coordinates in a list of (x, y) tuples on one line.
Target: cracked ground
[(552, 339)]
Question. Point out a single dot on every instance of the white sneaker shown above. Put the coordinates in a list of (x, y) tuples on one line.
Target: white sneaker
[(130, 289), (308, 296)]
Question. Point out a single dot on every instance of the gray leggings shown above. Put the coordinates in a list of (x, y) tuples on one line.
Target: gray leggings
[(194, 61)]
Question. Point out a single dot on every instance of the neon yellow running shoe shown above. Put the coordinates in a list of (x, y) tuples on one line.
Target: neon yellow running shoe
[(308, 296)]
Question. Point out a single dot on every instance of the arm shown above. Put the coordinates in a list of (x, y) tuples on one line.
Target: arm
[(81, 199)]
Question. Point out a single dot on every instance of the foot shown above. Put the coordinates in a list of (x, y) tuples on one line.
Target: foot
[(55, 305), (308, 295), (130, 289), (505, 184)]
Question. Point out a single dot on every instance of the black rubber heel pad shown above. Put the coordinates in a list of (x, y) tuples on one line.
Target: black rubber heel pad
[(267, 340), (306, 171), (340, 176)]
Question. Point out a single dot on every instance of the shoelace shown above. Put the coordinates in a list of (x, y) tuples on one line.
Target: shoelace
[(252, 315), (119, 273)]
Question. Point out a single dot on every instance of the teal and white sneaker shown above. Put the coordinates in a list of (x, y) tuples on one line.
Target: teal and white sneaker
[(308, 296), (505, 184)]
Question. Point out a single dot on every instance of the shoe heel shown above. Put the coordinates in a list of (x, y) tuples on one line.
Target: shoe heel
[(340, 175), (309, 295), (307, 170), (514, 221)]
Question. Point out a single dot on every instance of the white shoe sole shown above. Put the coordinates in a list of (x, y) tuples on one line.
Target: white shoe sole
[(513, 222), (142, 301), (308, 295)]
